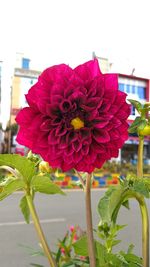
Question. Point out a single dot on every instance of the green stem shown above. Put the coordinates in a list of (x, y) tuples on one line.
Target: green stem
[(39, 231), (145, 222), (145, 231), (90, 238), (140, 158)]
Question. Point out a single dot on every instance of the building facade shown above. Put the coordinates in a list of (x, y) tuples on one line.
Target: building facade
[(138, 89)]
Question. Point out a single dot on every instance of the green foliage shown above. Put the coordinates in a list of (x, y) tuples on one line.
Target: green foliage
[(24, 166), (80, 247), (141, 187), (66, 254), (138, 106), (10, 187), (138, 124), (110, 202), (25, 209), (43, 184), (104, 256)]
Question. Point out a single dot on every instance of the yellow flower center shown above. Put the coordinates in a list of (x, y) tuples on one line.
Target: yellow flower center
[(77, 123)]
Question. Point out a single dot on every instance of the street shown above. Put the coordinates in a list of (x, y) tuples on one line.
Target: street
[(56, 213)]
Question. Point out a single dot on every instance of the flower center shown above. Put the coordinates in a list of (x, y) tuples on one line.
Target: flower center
[(77, 123)]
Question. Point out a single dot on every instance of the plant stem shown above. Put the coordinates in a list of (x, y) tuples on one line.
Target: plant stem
[(145, 222), (143, 208), (81, 179), (145, 231), (140, 158), (90, 238), (39, 231)]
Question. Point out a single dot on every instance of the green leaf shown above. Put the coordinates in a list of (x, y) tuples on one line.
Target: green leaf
[(100, 253), (11, 187), (140, 187), (69, 264), (114, 260), (24, 166), (103, 205), (136, 104), (81, 246), (115, 242), (133, 258), (43, 184), (32, 252), (25, 209), (126, 204), (147, 183), (134, 125), (115, 199), (108, 204), (142, 124), (130, 248)]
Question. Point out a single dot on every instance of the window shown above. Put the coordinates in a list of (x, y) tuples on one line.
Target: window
[(121, 87), (141, 92), (137, 90), (25, 63), (132, 110)]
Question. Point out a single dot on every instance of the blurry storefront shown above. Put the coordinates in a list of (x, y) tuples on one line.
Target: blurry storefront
[(138, 89)]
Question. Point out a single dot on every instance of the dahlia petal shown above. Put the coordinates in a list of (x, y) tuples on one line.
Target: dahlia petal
[(56, 98), (91, 104), (111, 82), (85, 133), (52, 139), (56, 73), (68, 159), (85, 149), (25, 138), (62, 141), (99, 161), (105, 106), (98, 148), (42, 105), (52, 110), (116, 122), (76, 145), (114, 134), (32, 96), (65, 166), (56, 121), (46, 125), (65, 105), (61, 131), (78, 97), (88, 70), (77, 156), (101, 136), (25, 116), (101, 124), (36, 123), (71, 137), (68, 151), (114, 153), (42, 139)]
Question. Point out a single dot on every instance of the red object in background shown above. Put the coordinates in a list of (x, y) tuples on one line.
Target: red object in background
[(20, 151)]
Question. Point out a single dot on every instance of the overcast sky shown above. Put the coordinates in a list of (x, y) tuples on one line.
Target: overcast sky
[(55, 31)]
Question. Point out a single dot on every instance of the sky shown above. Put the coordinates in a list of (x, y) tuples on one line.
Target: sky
[(68, 31)]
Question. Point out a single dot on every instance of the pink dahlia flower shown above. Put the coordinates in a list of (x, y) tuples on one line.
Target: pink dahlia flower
[(76, 117)]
